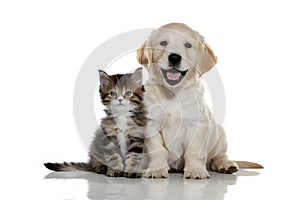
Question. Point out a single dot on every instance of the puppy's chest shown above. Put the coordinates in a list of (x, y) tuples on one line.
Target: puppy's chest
[(175, 108)]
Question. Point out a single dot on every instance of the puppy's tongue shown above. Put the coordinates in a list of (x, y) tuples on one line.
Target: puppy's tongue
[(173, 76)]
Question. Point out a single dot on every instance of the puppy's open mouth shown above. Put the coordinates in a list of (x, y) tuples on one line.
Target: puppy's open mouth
[(173, 76)]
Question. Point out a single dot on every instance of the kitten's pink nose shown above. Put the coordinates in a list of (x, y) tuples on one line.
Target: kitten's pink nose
[(120, 99)]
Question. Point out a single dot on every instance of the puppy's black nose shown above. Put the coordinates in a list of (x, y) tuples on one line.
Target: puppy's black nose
[(174, 58)]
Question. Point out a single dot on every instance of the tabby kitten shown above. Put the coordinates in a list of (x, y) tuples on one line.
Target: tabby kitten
[(118, 146)]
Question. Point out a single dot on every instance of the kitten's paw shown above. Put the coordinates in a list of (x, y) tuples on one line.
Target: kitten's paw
[(133, 172), (100, 169), (161, 173), (132, 175), (228, 167), (201, 173), (114, 173)]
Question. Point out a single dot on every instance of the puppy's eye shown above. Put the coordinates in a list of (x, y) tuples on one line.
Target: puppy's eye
[(188, 45), (127, 94), (163, 43), (113, 94)]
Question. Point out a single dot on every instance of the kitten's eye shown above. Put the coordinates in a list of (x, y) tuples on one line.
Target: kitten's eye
[(188, 45), (163, 43), (113, 94), (127, 94)]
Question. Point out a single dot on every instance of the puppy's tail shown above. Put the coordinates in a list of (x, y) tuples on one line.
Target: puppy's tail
[(72, 166), (248, 165)]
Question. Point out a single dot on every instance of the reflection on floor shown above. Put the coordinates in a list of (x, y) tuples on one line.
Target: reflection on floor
[(175, 187)]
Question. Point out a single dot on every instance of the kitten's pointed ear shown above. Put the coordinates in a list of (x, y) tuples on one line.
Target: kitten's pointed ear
[(104, 78), (137, 76)]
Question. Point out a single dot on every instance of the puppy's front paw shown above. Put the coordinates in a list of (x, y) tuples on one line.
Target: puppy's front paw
[(160, 173), (196, 173)]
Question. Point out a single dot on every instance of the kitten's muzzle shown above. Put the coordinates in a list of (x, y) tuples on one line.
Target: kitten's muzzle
[(120, 99)]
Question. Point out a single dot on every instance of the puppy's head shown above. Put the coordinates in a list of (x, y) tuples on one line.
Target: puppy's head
[(175, 53)]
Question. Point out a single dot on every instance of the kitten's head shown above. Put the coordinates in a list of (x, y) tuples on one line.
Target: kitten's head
[(121, 92)]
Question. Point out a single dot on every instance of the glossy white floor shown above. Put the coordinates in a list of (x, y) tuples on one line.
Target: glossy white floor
[(102, 187), (252, 184)]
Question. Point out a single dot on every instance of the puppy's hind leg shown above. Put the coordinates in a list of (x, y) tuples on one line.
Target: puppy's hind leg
[(219, 161), (223, 165)]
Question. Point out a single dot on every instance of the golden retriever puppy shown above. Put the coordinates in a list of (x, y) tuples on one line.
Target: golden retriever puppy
[(182, 133)]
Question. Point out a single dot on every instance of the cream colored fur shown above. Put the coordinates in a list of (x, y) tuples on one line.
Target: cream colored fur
[(182, 133)]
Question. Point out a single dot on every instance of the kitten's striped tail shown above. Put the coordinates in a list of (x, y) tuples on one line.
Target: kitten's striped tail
[(72, 166)]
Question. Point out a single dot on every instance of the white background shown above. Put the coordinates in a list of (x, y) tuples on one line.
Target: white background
[(43, 45)]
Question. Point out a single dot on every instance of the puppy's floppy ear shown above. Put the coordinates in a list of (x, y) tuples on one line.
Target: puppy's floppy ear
[(207, 59), (144, 53)]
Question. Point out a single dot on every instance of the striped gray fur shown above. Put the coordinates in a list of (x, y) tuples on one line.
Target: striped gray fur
[(126, 118)]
